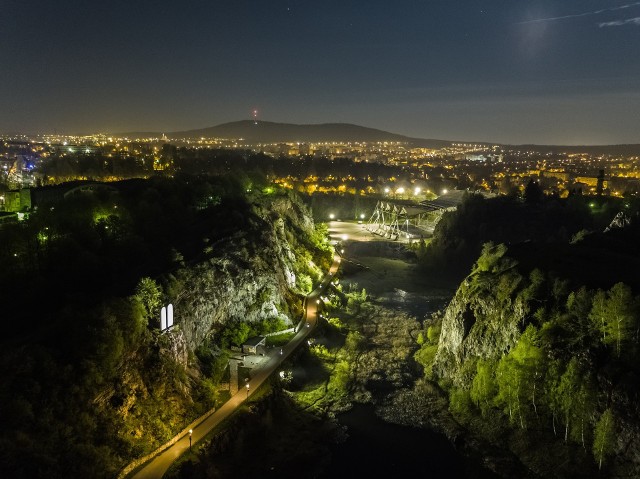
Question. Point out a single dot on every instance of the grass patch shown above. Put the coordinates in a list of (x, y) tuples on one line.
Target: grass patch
[(279, 339)]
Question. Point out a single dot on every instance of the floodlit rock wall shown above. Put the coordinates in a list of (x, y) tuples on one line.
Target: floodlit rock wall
[(248, 277), (477, 324), (486, 319)]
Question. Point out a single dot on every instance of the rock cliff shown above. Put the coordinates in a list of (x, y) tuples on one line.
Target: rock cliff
[(252, 275), (533, 352)]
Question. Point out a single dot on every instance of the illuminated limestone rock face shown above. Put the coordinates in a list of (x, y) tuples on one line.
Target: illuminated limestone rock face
[(247, 280), (476, 324)]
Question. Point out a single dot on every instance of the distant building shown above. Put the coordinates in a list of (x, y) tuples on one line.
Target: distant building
[(600, 183), (255, 345), (15, 201), (591, 181)]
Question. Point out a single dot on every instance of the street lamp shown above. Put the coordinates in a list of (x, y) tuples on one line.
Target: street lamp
[(332, 216), (247, 390), (190, 434)]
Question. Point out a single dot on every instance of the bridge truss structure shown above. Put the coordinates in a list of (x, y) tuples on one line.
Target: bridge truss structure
[(395, 220)]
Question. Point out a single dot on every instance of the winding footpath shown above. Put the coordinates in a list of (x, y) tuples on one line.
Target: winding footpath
[(155, 468)]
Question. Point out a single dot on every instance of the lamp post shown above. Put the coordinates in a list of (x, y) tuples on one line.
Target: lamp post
[(190, 434), (247, 390)]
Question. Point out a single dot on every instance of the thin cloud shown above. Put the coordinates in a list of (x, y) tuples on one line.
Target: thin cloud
[(617, 23), (584, 14)]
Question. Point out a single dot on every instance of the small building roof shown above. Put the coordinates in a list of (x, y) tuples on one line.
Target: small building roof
[(255, 341)]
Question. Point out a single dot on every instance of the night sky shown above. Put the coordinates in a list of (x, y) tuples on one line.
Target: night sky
[(514, 71)]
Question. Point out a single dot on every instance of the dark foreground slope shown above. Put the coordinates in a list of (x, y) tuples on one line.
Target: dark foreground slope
[(88, 381)]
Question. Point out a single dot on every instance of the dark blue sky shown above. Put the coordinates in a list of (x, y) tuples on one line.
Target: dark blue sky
[(503, 70)]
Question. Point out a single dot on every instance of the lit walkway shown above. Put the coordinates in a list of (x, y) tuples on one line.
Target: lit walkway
[(202, 427)]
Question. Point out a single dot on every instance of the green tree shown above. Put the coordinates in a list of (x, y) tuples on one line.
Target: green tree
[(433, 332), (584, 405), (490, 257), (566, 392), (579, 306), (621, 314), (603, 437), (598, 313), (460, 403), (535, 291), (579, 303), (509, 383), (551, 389), (483, 387), (235, 334), (530, 360), (614, 315), (519, 377), (149, 293)]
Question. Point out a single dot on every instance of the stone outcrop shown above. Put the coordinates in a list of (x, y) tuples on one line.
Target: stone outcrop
[(478, 324), (485, 320), (244, 279)]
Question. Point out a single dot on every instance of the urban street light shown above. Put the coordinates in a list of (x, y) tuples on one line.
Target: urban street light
[(247, 390), (332, 216), (190, 434)]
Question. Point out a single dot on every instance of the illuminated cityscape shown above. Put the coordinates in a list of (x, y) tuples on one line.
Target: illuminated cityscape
[(413, 172), (320, 240)]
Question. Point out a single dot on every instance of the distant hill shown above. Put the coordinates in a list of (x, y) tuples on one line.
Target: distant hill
[(269, 132)]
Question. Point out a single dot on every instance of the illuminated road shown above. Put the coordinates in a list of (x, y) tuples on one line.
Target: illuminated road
[(159, 465)]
